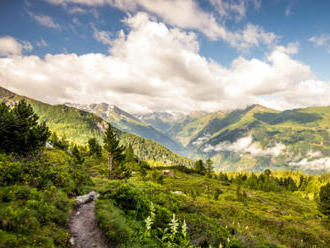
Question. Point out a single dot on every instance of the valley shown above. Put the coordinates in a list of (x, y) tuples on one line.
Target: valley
[(153, 197)]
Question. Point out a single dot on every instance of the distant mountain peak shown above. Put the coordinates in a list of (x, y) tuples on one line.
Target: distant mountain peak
[(259, 108)]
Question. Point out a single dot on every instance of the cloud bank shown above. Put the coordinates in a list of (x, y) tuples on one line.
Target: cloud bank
[(246, 145), (156, 67), (188, 15)]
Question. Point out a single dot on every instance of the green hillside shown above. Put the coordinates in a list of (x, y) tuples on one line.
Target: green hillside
[(215, 209), (257, 137), (78, 126), (128, 123), (154, 204)]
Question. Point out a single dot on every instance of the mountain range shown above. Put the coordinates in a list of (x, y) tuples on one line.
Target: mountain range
[(253, 138), (79, 126)]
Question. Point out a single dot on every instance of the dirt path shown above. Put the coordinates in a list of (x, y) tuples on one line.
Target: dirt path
[(85, 232)]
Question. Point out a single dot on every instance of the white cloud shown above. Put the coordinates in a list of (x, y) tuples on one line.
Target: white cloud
[(188, 15), (9, 46), (157, 68), (102, 36), (235, 8), (316, 164), (76, 10), (42, 43), (244, 145), (322, 41), (43, 20)]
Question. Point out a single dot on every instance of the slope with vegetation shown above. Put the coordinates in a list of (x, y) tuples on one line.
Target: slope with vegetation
[(152, 207), (78, 126), (256, 138), (186, 209), (128, 123)]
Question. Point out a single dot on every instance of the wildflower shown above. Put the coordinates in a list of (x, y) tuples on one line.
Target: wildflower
[(184, 229), (152, 211), (174, 224), (148, 222)]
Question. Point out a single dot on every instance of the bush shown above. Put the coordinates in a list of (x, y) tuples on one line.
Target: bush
[(130, 199), (113, 223)]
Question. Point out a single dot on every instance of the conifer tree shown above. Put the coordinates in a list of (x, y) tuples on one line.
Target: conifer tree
[(115, 151), (77, 155), (20, 131), (324, 202), (209, 166), (95, 149), (200, 167), (130, 156)]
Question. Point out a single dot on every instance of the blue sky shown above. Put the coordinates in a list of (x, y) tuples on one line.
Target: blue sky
[(163, 55)]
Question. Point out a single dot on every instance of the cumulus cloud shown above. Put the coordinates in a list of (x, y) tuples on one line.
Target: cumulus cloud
[(244, 145), (188, 15), (43, 20), (316, 164), (154, 67), (322, 41), (9, 46)]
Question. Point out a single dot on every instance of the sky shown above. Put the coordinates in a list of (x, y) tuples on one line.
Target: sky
[(168, 55)]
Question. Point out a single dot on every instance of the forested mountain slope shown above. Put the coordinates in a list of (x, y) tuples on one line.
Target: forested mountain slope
[(128, 123), (78, 126)]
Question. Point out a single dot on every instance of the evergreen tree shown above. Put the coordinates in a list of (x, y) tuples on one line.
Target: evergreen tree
[(267, 172), (95, 149), (115, 154), (209, 166), (130, 156), (200, 167), (77, 155), (324, 202), (20, 131), (59, 143)]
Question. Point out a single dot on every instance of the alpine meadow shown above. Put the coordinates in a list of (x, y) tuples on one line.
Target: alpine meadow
[(164, 124)]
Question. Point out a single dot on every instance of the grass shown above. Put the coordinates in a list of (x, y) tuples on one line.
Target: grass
[(281, 219)]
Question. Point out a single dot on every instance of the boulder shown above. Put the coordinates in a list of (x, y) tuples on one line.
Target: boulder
[(83, 199)]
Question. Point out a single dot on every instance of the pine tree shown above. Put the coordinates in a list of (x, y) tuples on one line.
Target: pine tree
[(200, 167), (115, 154), (95, 149), (130, 154), (209, 166), (20, 131), (59, 143), (324, 202), (77, 155)]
